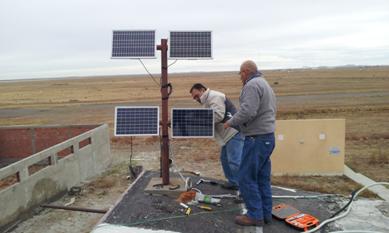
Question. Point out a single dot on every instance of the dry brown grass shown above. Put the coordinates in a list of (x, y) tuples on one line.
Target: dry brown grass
[(110, 179), (143, 89), (8, 181), (356, 94)]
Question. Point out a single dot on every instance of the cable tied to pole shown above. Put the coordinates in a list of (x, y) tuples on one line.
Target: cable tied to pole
[(170, 90)]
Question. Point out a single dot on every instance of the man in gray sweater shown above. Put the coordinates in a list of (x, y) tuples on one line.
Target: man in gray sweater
[(256, 121)]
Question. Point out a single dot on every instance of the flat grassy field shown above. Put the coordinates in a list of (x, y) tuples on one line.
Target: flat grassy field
[(358, 94)]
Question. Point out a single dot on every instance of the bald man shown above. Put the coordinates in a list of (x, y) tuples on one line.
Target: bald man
[(256, 120)]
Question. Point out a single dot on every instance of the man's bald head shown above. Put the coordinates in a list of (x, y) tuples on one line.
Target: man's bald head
[(249, 66), (247, 69)]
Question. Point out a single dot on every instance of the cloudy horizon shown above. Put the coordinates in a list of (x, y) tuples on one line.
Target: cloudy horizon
[(48, 39)]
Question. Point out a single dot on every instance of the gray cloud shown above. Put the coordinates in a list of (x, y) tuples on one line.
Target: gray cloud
[(43, 38)]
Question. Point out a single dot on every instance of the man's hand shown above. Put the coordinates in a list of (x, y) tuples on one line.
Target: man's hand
[(226, 125)]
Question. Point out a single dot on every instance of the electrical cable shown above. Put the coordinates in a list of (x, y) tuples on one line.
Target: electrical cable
[(172, 217), (348, 208), (345, 206), (305, 197), (172, 63), (176, 169), (283, 188), (180, 216), (133, 173), (152, 77), (356, 231)]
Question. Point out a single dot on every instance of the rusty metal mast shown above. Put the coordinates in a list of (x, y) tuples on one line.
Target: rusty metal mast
[(165, 92)]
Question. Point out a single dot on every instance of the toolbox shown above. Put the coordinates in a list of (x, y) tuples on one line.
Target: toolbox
[(294, 217)]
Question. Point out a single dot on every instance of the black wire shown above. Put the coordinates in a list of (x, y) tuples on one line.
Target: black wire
[(130, 166), (152, 77), (172, 63), (148, 221), (131, 150), (344, 207)]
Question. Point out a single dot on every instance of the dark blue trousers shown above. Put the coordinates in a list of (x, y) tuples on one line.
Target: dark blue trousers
[(254, 175)]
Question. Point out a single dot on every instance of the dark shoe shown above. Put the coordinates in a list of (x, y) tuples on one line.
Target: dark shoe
[(267, 220), (229, 186), (244, 220), (238, 200)]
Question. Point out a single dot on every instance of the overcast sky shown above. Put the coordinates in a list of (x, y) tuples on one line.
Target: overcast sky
[(53, 38)]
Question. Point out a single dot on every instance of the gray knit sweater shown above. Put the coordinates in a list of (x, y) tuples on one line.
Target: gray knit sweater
[(257, 113)]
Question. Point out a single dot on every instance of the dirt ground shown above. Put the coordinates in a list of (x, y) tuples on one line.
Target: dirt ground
[(360, 95)]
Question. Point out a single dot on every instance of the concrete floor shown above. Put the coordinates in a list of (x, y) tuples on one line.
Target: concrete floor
[(142, 211)]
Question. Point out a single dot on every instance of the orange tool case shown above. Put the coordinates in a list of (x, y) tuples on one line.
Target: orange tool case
[(294, 217)]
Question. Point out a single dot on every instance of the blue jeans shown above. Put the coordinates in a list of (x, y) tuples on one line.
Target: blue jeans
[(230, 157), (254, 175)]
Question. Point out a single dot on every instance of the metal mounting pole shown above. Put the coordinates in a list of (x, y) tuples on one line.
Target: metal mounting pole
[(165, 115)]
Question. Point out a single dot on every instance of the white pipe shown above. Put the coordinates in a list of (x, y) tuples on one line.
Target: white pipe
[(348, 208), (283, 188), (304, 197)]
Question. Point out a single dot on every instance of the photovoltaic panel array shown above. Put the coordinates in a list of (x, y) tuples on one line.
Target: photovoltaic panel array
[(192, 123), (136, 121), (133, 44), (190, 45)]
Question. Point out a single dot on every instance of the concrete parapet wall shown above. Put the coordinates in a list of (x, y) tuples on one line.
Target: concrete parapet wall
[(88, 155), (309, 147)]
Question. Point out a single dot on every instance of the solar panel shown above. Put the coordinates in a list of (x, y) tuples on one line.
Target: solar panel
[(192, 123), (190, 45), (133, 44), (136, 121)]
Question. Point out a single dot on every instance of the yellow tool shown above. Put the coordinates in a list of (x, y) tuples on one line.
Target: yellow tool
[(204, 207), (187, 210)]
